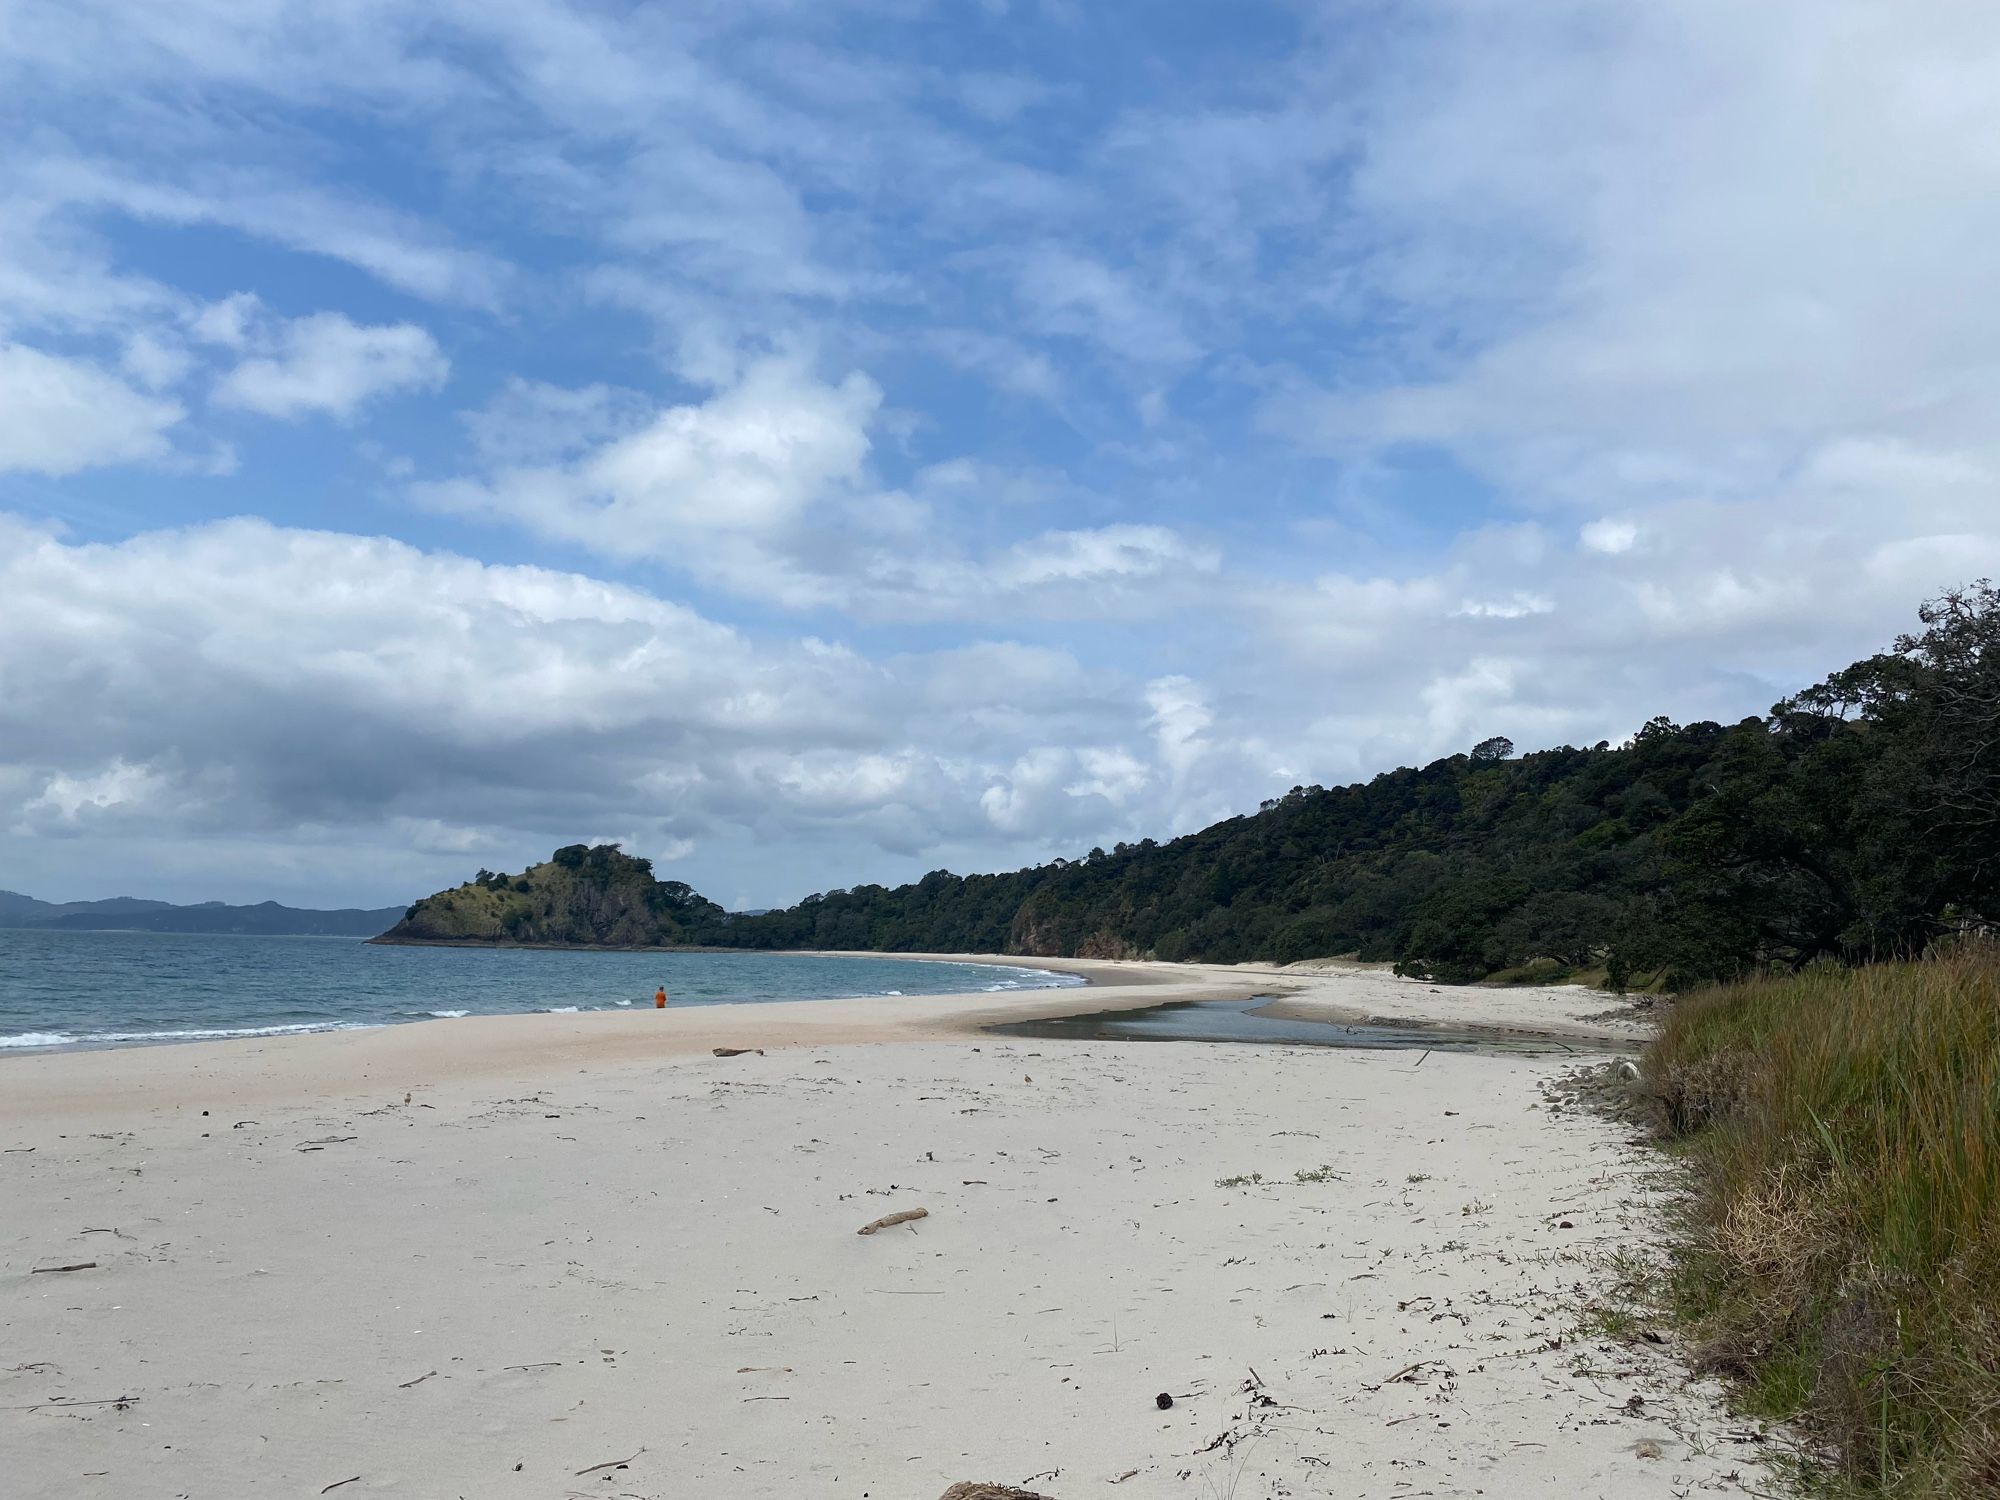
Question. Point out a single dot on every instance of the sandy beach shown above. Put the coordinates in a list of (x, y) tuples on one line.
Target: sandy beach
[(562, 1255)]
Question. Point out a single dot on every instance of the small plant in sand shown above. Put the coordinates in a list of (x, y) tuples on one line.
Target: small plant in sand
[(1246, 1179)]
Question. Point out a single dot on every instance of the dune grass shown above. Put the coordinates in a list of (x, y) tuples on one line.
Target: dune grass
[(1843, 1261)]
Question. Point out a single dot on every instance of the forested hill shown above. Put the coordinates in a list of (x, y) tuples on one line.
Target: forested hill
[(579, 897), (1857, 820)]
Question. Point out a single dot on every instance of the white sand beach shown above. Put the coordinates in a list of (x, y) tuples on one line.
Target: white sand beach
[(559, 1255)]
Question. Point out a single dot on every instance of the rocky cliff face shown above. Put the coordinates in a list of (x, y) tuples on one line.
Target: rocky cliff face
[(599, 897)]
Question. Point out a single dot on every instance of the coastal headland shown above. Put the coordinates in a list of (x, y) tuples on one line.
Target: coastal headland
[(584, 1254)]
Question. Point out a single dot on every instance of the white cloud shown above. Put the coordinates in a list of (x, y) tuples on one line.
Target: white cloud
[(1076, 295), (154, 361), (1609, 536), (753, 459), (229, 321), (67, 798), (245, 689), (60, 415), (766, 490), (1106, 554), (531, 422), (1514, 607), (325, 363), (394, 247), (1180, 720), (1779, 261)]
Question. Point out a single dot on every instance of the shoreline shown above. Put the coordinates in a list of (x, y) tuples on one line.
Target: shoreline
[(338, 1064), (14, 1046)]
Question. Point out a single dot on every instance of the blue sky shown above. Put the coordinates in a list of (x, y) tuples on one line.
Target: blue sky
[(822, 443)]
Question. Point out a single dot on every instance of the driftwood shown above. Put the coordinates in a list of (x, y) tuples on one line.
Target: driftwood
[(82, 1265), (737, 1051), (609, 1463), (902, 1218), (990, 1492)]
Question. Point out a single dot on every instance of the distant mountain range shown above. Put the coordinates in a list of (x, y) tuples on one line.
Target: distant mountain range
[(129, 914)]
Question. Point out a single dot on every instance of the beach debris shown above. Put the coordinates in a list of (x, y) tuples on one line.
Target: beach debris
[(350, 1479), (736, 1051), (969, 1491), (1164, 1400), (609, 1463), (82, 1265), (61, 1403), (1122, 1477), (418, 1381), (1411, 1374), (323, 1142), (888, 1220)]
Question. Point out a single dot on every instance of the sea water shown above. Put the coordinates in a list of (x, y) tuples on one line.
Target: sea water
[(93, 989)]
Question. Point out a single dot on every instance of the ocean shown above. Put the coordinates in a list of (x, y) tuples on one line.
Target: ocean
[(99, 989)]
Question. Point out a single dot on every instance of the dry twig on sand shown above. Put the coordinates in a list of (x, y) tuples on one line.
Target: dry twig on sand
[(609, 1463), (888, 1219)]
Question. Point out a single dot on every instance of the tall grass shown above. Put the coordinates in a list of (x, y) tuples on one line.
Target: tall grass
[(1844, 1261)]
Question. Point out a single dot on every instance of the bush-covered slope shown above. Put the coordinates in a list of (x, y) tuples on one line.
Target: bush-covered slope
[(582, 895), (1857, 821)]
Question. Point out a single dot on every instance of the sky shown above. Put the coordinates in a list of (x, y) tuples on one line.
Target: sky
[(819, 443)]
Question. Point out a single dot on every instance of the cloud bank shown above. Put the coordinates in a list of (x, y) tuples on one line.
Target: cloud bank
[(829, 443)]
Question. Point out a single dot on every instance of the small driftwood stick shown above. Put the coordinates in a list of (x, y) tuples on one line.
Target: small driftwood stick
[(609, 1463), (736, 1051), (888, 1219), (82, 1265)]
